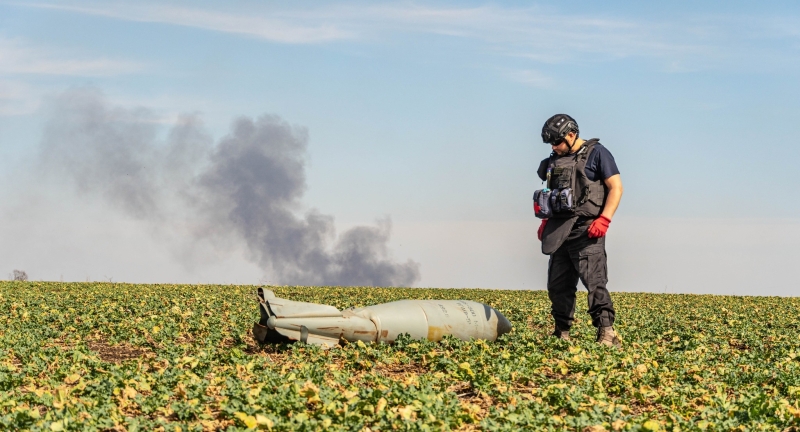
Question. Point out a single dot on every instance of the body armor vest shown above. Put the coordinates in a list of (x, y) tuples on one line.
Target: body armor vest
[(569, 172), (589, 197)]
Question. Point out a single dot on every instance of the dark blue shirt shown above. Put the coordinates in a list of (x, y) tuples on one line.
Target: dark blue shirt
[(599, 166)]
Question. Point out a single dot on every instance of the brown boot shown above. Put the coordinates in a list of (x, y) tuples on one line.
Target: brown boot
[(608, 337), (561, 334)]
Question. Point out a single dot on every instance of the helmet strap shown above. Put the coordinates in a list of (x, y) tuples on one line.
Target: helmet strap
[(573, 145)]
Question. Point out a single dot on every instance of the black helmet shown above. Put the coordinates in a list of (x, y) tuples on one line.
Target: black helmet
[(557, 127)]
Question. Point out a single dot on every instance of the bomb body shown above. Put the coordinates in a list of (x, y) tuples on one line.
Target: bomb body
[(289, 321)]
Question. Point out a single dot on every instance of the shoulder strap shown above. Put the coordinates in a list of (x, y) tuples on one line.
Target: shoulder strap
[(586, 149)]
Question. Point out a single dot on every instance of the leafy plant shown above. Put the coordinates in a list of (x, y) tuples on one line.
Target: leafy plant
[(111, 356)]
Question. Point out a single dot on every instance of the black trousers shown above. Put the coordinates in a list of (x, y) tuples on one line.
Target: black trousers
[(584, 258)]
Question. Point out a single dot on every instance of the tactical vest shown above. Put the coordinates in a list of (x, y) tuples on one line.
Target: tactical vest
[(590, 196), (570, 172)]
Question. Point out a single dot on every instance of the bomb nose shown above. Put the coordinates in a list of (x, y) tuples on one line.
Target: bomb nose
[(503, 324)]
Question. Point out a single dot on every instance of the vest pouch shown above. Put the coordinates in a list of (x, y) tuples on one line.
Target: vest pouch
[(541, 203), (565, 196), (591, 201), (596, 194), (555, 204), (562, 201)]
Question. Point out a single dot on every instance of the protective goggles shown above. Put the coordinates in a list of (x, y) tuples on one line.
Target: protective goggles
[(551, 137)]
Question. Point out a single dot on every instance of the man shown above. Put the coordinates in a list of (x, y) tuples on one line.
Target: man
[(587, 188)]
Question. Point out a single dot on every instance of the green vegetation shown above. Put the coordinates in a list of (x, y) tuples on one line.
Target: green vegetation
[(103, 356)]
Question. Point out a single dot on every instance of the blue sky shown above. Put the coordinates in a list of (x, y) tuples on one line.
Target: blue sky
[(429, 112)]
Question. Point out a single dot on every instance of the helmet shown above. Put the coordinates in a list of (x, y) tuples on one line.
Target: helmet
[(557, 127)]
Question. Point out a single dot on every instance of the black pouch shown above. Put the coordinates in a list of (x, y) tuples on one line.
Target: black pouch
[(562, 200), (541, 203)]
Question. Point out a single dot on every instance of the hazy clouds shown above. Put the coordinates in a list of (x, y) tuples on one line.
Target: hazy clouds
[(245, 189)]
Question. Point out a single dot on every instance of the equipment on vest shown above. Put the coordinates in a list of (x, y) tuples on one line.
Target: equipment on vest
[(541, 203), (568, 192), (562, 200), (549, 202), (291, 321), (557, 127)]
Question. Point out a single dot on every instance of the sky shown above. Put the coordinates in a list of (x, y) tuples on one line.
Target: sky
[(393, 143)]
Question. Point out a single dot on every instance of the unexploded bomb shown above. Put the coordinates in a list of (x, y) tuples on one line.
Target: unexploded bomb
[(289, 321)]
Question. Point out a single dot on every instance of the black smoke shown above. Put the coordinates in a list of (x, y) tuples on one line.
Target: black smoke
[(247, 188)]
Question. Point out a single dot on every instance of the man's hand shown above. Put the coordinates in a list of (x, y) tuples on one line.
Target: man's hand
[(541, 229), (599, 227)]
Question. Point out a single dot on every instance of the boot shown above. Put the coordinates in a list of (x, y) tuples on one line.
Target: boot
[(561, 334), (608, 337)]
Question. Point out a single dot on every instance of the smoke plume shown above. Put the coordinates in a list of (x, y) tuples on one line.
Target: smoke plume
[(245, 189)]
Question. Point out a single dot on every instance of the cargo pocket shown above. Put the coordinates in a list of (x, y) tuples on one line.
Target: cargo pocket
[(592, 266)]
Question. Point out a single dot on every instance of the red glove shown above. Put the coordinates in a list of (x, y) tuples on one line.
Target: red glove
[(541, 229), (536, 207), (599, 227)]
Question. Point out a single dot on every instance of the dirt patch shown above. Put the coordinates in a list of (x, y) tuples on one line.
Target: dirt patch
[(41, 409), (473, 402), (638, 407), (738, 345), (116, 353), (400, 370), (277, 353), (15, 361), (462, 389)]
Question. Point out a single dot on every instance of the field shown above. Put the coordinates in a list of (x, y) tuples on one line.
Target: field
[(103, 356)]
